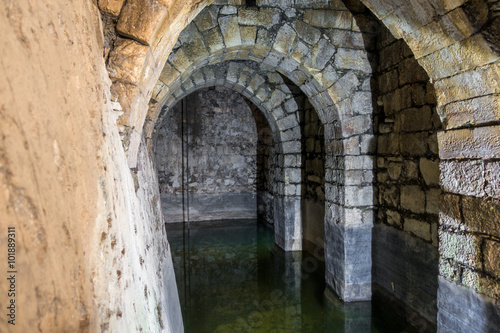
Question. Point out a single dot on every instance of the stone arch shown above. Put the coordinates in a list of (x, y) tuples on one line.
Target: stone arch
[(281, 117), (334, 75)]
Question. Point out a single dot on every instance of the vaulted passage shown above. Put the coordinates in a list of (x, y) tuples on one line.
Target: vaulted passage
[(362, 133)]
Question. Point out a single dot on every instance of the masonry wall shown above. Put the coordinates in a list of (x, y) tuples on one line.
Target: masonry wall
[(407, 178), (223, 142)]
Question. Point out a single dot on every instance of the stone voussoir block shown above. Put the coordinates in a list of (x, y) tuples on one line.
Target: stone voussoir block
[(139, 19)]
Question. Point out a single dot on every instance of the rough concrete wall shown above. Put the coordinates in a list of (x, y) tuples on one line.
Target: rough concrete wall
[(407, 171), (91, 253), (222, 156)]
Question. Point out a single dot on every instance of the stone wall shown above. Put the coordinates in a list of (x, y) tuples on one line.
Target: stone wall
[(92, 254), (407, 179), (223, 143)]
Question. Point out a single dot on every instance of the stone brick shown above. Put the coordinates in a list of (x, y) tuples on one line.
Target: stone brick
[(482, 215), (343, 87), (432, 201), (463, 177), (358, 195), (248, 35), (430, 171), (357, 125), (394, 218), (468, 85), (483, 142), (321, 54), (284, 39), (414, 143), (214, 40), (328, 19), (347, 39), (261, 17), (307, 33), (449, 213), (358, 162), (299, 52), (465, 249), (207, 18), (388, 144), (473, 111), (389, 196), (352, 59), (492, 177), (413, 199), (415, 119), (419, 228), (394, 170), (180, 61), (112, 7), (139, 19), (492, 257), (230, 31), (228, 10), (126, 60)]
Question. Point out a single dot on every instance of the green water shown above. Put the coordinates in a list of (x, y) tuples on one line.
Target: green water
[(232, 278)]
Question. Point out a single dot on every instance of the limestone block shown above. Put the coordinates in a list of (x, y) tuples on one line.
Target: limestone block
[(347, 39), (492, 257), (394, 170), (482, 215), (389, 196), (394, 218), (207, 18), (388, 81), (195, 50), (449, 210), (430, 171), (248, 35), (214, 40), (483, 142), (492, 176), (480, 82), (352, 59), (362, 162), (126, 60), (288, 65), (328, 19), (465, 249), (473, 111), (180, 61), (299, 52), (230, 31), (419, 228), (463, 177), (139, 19), (357, 125), (358, 195), (321, 54), (262, 94), (432, 201), (293, 176), (228, 10), (285, 39), (413, 199), (112, 7), (277, 98), (388, 144), (343, 87), (261, 17), (414, 143), (362, 102), (307, 33), (459, 57)]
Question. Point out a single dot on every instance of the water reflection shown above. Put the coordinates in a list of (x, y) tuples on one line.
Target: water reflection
[(232, 278)]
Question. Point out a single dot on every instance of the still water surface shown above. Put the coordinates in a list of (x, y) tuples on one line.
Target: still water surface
[(232, 278)]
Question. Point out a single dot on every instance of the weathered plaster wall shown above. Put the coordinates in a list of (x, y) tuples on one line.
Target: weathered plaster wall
[(222, 174), (91, 248)]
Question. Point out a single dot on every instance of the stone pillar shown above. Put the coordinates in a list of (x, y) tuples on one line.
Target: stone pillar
[(288, 223), (348, 261)]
